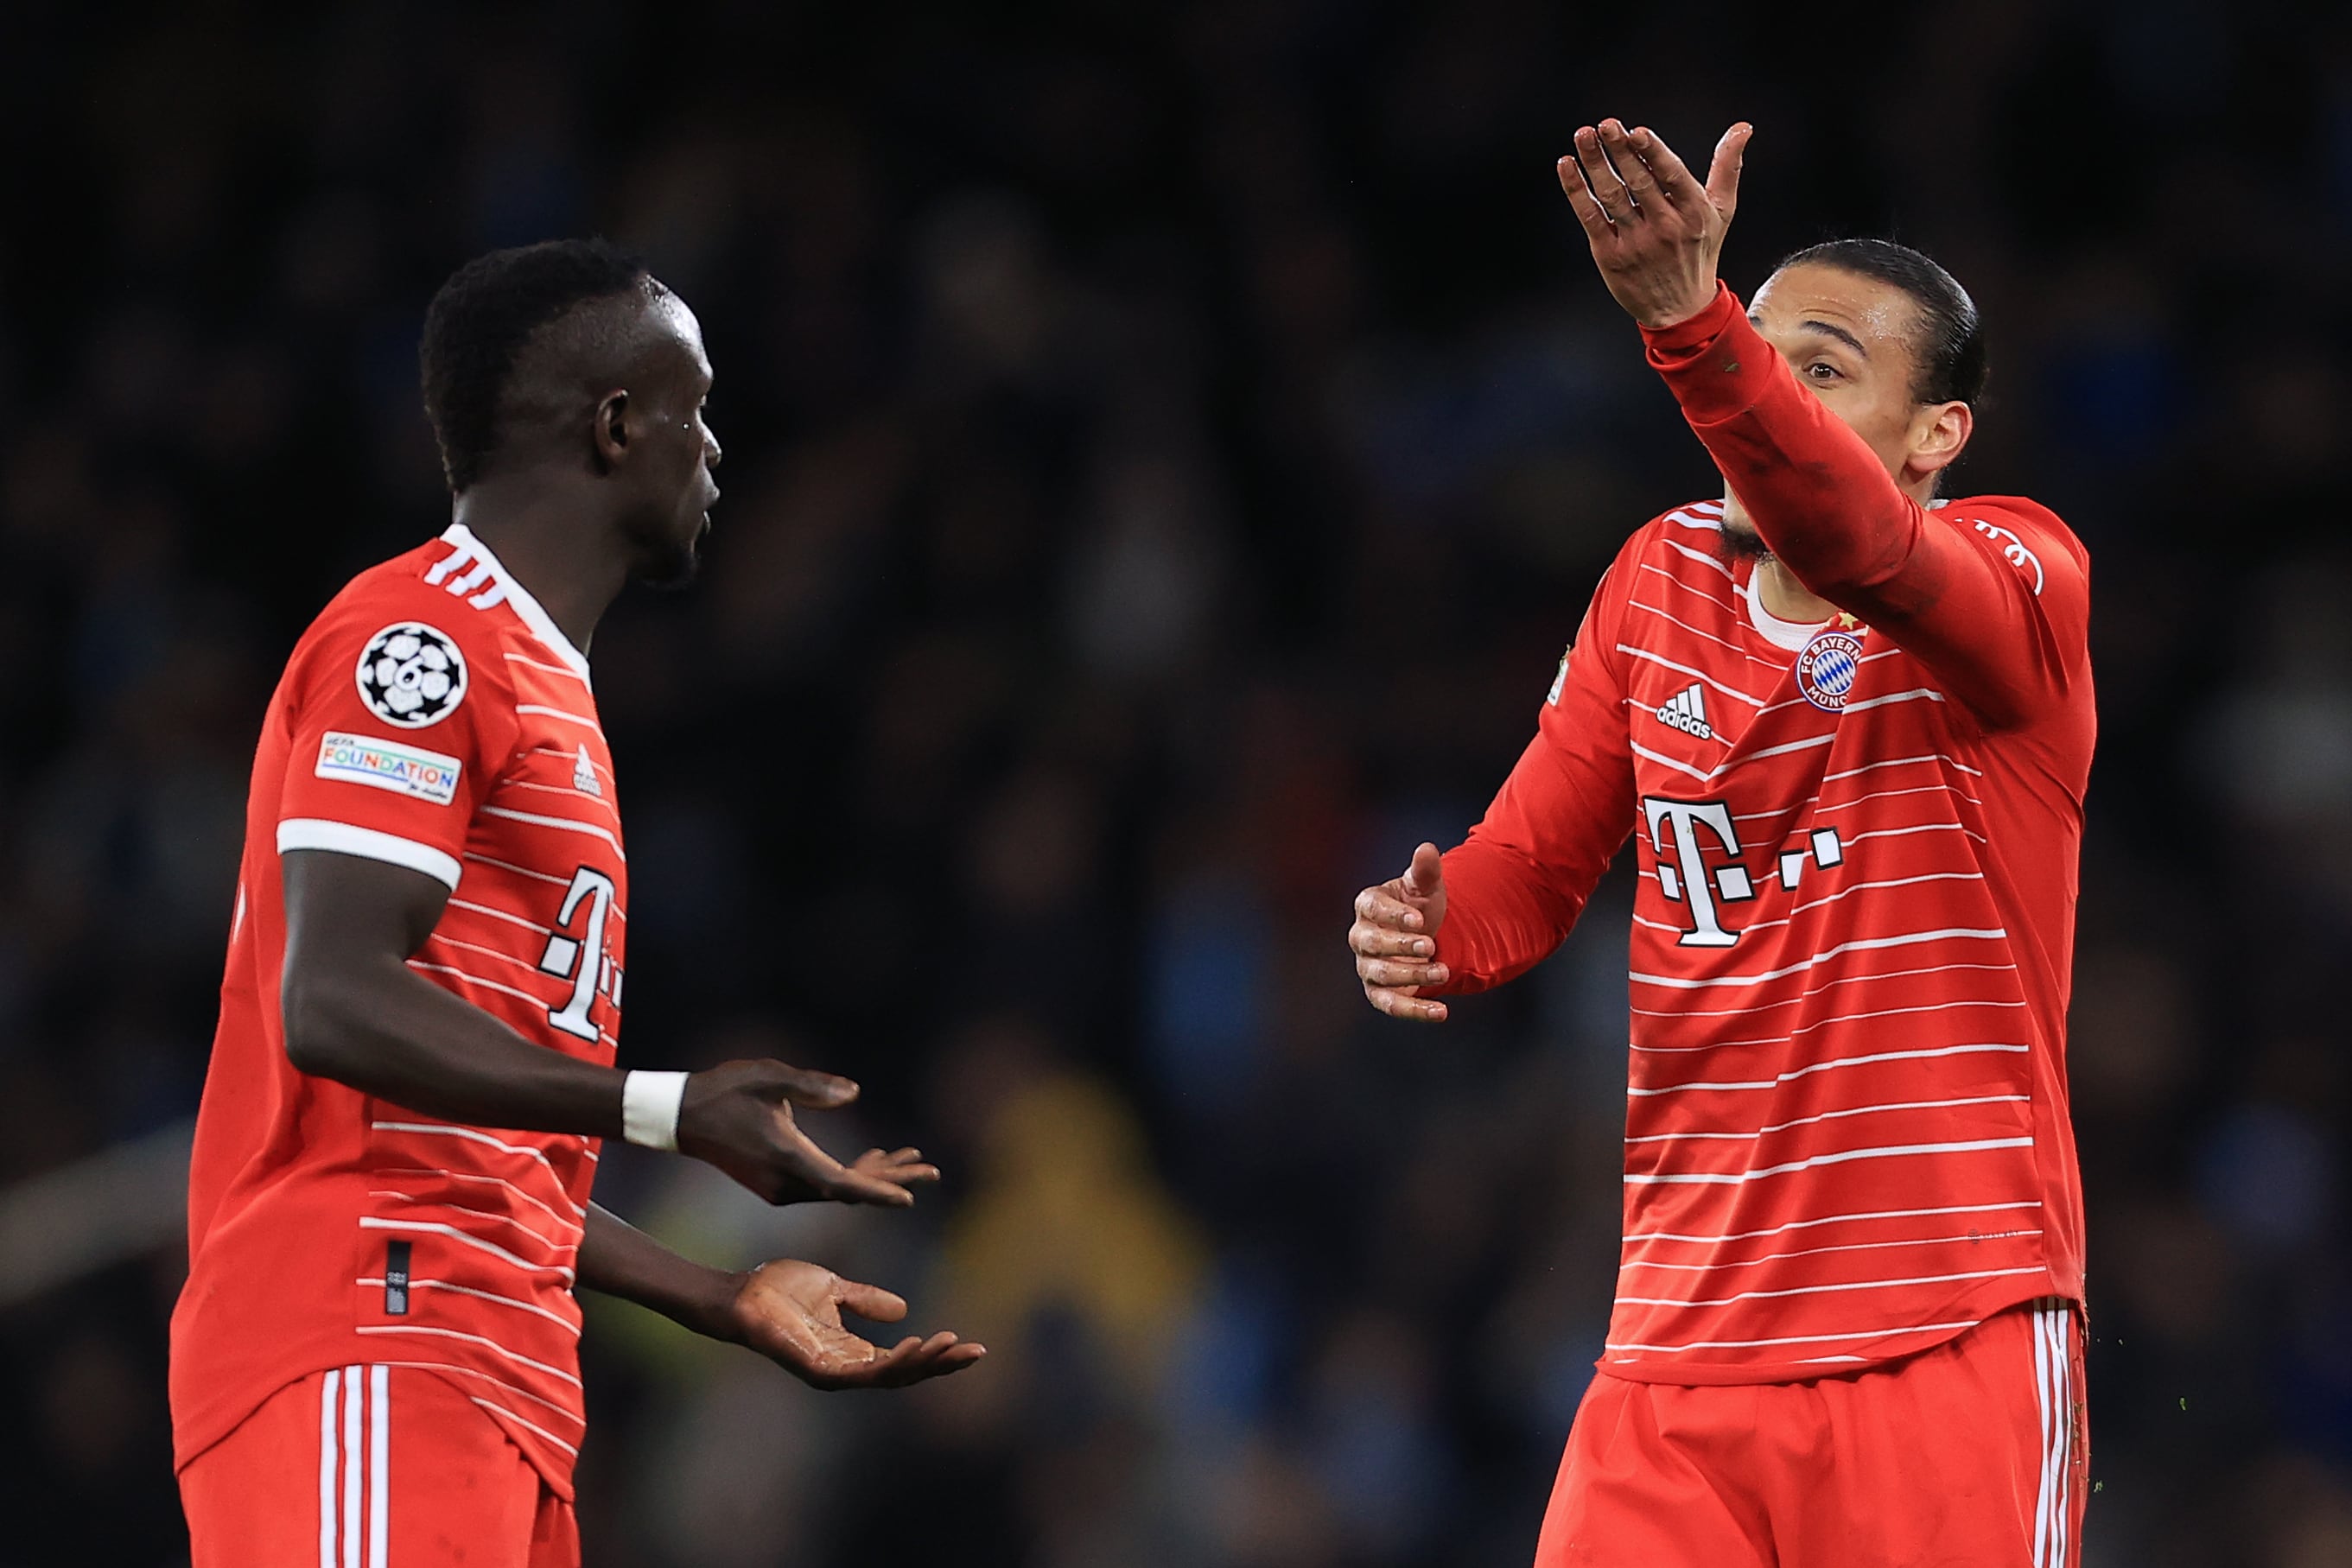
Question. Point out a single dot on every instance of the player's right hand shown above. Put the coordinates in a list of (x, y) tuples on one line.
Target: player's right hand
[(1394, 939), (790, 1311), (738, 1116)]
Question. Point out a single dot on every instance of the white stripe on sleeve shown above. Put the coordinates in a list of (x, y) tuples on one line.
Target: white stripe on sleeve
[(345, 839)]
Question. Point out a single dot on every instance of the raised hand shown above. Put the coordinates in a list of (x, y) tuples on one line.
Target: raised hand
[(1655, 231), (790, 1311), (738, 1116), (1394, 939)]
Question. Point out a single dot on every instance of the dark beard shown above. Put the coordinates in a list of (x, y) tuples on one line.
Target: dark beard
[(664, 567), (1736, 544)]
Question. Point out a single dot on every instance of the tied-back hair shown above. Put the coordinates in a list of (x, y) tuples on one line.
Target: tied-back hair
[(476, 326), (1951, 347)]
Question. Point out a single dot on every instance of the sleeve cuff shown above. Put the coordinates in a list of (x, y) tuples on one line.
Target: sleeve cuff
[(1674, 342), (343, 838)]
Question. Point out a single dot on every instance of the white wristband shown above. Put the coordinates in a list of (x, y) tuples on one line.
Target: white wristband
[(649, 1105)]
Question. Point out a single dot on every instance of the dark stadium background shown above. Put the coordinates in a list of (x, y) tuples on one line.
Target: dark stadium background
[(1167, 448)]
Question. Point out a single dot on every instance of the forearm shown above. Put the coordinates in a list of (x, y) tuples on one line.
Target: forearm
[(384, 1029), (1503, 916), (619, 1259), (1820, 499)]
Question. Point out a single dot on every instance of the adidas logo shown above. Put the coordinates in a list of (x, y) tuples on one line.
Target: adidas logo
[(1686, 711), (583, 775)]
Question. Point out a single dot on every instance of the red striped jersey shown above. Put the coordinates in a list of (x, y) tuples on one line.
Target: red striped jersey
[(433, 717), (1846, 1130)]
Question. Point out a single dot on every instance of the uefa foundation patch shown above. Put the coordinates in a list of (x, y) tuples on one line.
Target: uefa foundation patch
[(1827, 668), (383, 765)]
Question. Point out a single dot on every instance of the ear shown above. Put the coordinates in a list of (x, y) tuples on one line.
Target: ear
[(611, 430), (1939, 433)]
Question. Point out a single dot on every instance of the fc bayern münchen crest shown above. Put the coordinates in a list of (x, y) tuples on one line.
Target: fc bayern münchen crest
[(1827, 667), (412, 675)]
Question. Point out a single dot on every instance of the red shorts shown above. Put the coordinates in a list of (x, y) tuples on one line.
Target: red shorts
[(1972, 1455), (372, 1466)]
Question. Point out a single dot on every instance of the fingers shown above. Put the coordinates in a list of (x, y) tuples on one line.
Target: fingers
[(1404, 1005), (1579, 199), (870, 1301), (1426, 875), (816, 1091), (1379, 907), (1390, 972), (1609, 191), (902, 1166), (913, 1361), (1369, 941), (1674, 179), (1625, 161), (1723, 174), (845, 1184)]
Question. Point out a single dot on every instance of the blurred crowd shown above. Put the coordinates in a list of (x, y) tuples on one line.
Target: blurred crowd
[(1169, 445)]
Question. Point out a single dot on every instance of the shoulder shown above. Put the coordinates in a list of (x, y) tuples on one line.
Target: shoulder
[(414, 616), (2016, 524)]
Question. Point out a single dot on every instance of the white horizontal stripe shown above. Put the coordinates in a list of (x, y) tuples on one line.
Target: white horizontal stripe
[(1864, 944), (1796, 1072), (484, 1339), (347, 839), (1920, 827), (1827, 1289), (1836, 1115), (568, 791), (1693, 631), (1732, 692), (1713, 525), (1633, 1236), (370, 1222), (1797, 909), (1914, 695), (1701, 774), (1796, 1339), (1806, 1027), (551, 1245), (1702, 556), (502, 914), (1843, 1156), (572, 1415), (546, 712), (1709, 1267), (483, 1180), (1822, 989), (519, 870), (1903, 762), (558, 1319), (550, 669), (1808, 744), (524, 965), (477, 980), (475, 1136), (566, 823), (1890, 794), (1692, 589), (509, 1415)]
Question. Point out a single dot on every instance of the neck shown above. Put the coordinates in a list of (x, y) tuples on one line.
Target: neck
[(1777, 586), (542, 532)]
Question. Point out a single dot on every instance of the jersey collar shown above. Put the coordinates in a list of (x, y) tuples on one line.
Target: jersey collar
[(1790, 635), (534, 615)]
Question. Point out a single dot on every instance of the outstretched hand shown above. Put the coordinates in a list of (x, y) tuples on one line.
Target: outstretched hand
[(790, 1311), (1655, 231), (1394, 939), (738, 1117)]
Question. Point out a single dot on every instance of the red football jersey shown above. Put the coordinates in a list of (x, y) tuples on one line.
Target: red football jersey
[(1847, 1135), (434, 718)]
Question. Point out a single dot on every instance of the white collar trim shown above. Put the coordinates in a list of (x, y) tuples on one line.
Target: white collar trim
[(534, 614), (1790, 635)]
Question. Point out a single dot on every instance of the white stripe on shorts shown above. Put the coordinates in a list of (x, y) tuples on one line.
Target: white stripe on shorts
[(2055, 1396)]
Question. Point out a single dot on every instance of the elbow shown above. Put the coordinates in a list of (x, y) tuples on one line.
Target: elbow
[(318, 1034)]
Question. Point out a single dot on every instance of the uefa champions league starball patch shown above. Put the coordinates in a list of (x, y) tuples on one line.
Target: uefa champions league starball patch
[(1827, 668), (411, 674)]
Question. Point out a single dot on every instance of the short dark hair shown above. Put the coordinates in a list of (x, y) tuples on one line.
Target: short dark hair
[(476, 328), (1951, 346)]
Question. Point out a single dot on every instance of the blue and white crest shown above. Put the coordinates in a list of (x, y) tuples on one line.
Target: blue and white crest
[(1827, 668)]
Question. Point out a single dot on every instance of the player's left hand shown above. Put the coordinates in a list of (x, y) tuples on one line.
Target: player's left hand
[(790, 1311), (1656, 232)]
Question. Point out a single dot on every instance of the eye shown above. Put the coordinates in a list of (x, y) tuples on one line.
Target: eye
[(1821, 370)]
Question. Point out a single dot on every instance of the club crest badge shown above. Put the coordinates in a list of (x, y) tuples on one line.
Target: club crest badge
[(412, 675), (1827, 668)]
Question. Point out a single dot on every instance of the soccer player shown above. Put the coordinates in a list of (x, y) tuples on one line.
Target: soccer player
[(375, 1361), (1848, 725)]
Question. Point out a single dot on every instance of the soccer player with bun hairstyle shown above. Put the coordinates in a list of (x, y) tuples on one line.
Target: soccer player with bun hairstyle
[(375, 1358), (1848, 725)]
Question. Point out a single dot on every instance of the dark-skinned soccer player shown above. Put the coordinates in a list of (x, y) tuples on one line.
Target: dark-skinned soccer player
[(1849, 725), (374, 1359)]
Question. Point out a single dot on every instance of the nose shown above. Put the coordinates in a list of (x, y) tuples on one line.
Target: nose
[(711, 450)]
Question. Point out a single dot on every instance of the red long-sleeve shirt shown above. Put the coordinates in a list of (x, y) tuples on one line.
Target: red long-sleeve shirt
[(1847, 1135)]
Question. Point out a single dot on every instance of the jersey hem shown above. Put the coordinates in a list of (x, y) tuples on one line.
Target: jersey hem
[(1710, 1374)]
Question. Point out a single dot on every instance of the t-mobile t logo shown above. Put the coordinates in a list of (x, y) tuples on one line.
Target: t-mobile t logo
[(1687, 880)]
